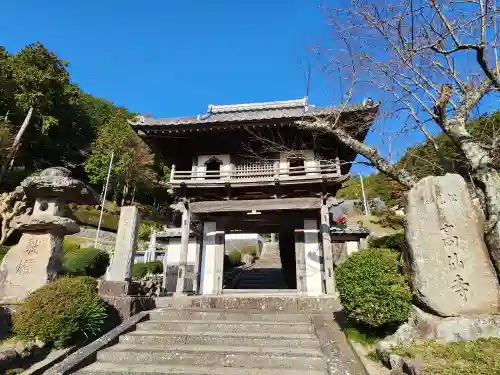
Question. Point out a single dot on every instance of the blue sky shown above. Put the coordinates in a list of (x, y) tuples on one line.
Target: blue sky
[(173, 58)]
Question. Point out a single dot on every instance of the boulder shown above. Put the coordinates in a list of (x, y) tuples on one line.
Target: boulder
[(424, 326), (449, 265)]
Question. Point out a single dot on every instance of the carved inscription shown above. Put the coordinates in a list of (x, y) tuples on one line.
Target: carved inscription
[(448, 238), (460, 286), (32, 246), (24, 266), (455, 263), (449, 198)]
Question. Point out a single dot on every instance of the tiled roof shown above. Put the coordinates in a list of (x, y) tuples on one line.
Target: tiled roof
[(253, 112)]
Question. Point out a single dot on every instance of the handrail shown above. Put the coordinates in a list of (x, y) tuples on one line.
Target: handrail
[(264, 172)]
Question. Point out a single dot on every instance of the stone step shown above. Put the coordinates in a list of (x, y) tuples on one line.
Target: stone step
[(225, 326), (256, 301), (100, 368), (276, 340), (234, 315), (214, 356)]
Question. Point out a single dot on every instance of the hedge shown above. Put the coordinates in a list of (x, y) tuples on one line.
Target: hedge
[(235, 257), (3, 251), (140, 270), (395, 241), (373, 290), (69, 245), (109, 221), (85, 262), (62, 313), (91, 218)]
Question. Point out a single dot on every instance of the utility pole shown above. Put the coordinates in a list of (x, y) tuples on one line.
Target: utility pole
[(367, 212), (104, 199)]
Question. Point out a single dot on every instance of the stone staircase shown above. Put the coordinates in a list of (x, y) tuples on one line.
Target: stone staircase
[(185, 341), (266, 273)]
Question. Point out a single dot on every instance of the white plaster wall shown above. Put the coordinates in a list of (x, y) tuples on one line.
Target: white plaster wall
[(174, 251), (226, 166), (208, 259), (308, 156), (313, 258), (352, 247)]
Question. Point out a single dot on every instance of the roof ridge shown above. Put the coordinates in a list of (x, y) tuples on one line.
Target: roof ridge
[(295, 103)]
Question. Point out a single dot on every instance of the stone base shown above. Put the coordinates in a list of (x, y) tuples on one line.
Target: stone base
[(118, 288), (126, 306), (264, 303), (424, 326)]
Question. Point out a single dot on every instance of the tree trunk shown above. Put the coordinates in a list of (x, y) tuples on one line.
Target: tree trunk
[(490, 181), (125, 193), (133, 194), (10, 157), (116, 193)]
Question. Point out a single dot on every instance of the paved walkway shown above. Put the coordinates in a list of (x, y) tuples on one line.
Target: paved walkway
[(266, 273)]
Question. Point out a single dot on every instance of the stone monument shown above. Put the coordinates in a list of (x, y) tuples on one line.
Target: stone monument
[(117, 288), (119, 273), (450, 268), (35, 260)]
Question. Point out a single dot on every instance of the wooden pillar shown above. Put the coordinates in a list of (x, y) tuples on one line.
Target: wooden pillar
[(300, 261), (185, 229), (327, 250)]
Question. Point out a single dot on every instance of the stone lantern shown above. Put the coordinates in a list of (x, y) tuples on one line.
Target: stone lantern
[(36, 259)]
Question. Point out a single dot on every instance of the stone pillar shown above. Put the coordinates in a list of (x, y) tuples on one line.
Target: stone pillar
[(120, 269), (327, 251), (185, 229), (213, 259), (313, 258), (300, 261)]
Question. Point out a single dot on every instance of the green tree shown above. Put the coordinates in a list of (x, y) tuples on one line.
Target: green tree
[(133, 161)]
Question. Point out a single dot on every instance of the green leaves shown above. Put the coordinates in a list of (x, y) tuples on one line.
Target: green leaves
[(372, 289)]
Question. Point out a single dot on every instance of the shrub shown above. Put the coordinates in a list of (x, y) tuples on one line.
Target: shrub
[(91, 218), (61, 313), (395, 241), (389, 219), (69, 245), (146, 228), (372, 289), (3, 251), (85, 262), (235, 257), (140, 270), (249, 249)]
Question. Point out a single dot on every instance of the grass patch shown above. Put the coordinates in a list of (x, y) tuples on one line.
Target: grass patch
[(373, 356), (363, 337), (459, 358)]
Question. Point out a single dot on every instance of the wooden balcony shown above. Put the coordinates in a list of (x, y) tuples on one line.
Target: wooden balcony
[(258, 175)]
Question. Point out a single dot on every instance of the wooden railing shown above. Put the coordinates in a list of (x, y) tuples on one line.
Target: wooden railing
[(330, 169)]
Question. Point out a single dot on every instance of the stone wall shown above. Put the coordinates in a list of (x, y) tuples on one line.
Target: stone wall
[(107, 239)]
